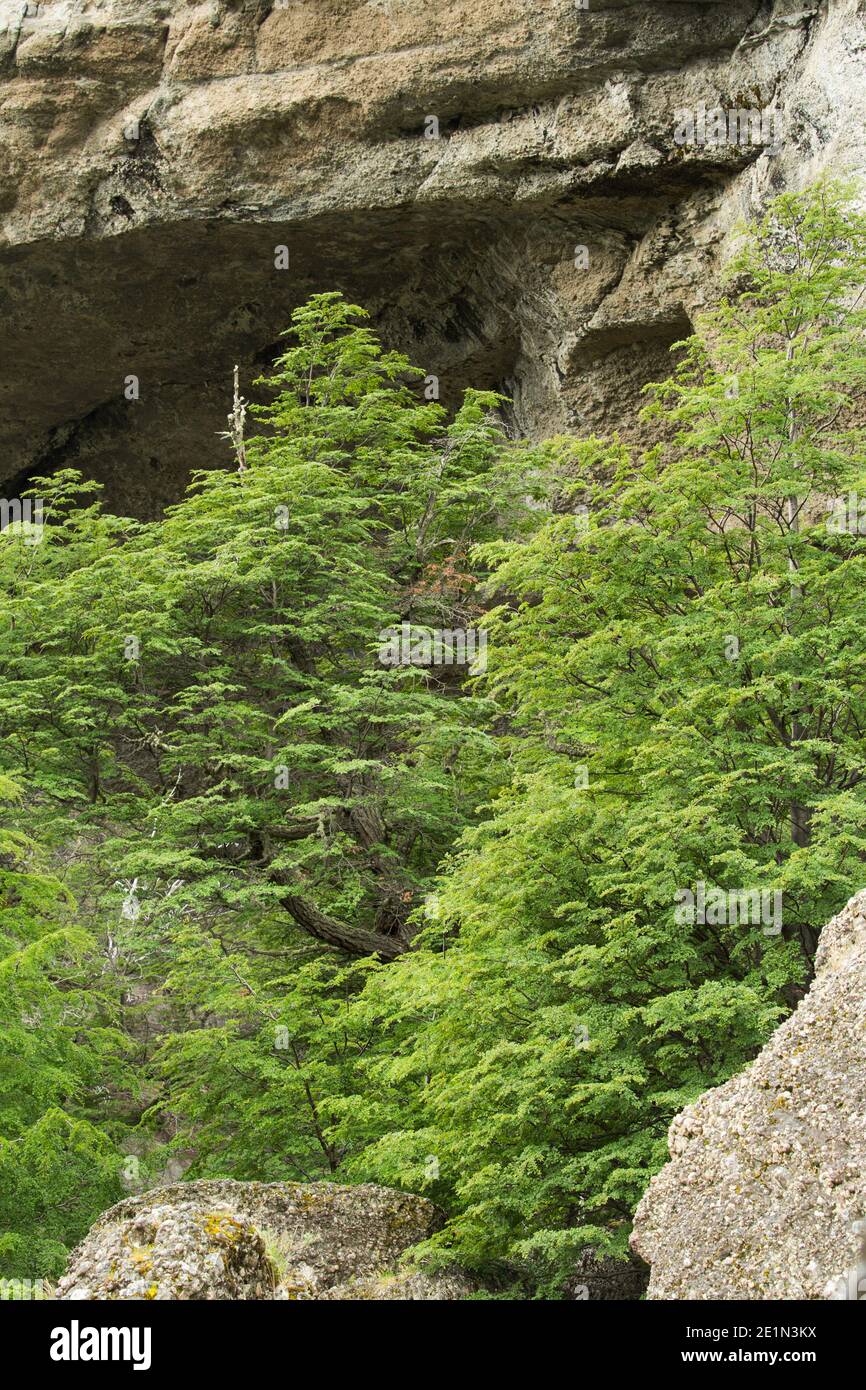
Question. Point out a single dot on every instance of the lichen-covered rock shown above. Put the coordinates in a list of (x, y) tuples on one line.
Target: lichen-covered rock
[(765, 1193), (222, 1239), (163, 1251)]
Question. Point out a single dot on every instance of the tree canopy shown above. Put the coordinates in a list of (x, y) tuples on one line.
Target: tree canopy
[(422, 922)]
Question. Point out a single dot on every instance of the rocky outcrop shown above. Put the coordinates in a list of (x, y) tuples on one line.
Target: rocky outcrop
[(765, 1193), (249, 1240), (502, 185)]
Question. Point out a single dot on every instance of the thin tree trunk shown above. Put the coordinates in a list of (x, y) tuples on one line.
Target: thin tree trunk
[(799, 817)]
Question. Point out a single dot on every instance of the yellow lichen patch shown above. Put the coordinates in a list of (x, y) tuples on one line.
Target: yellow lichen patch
[(141, 1257), (221, 1225), (308, 1199)]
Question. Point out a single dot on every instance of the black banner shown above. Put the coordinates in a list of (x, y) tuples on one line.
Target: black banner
[(84, 1340)]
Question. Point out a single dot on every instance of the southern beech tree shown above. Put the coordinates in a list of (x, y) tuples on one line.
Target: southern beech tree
[(683, 667), (214, 680), (201, 706), (396, 925)]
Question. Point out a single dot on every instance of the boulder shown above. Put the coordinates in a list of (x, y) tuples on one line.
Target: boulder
[(166, 1251), (765, 1193), (223, 1239)]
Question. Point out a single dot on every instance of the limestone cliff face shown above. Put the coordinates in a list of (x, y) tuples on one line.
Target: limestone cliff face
[(154, 153)]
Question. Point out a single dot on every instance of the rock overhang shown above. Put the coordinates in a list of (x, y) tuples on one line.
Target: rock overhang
[(159, 153)]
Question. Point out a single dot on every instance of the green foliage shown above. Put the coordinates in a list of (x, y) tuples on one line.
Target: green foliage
[(393, 924), (202, 699), (541, 1056), (57, 1169)]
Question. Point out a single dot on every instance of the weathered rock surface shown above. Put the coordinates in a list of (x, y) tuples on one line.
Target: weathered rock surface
[(415, 1287), (606, 1280), (171, 1252), (765, 1193), (223, 1239), (154, 153)]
